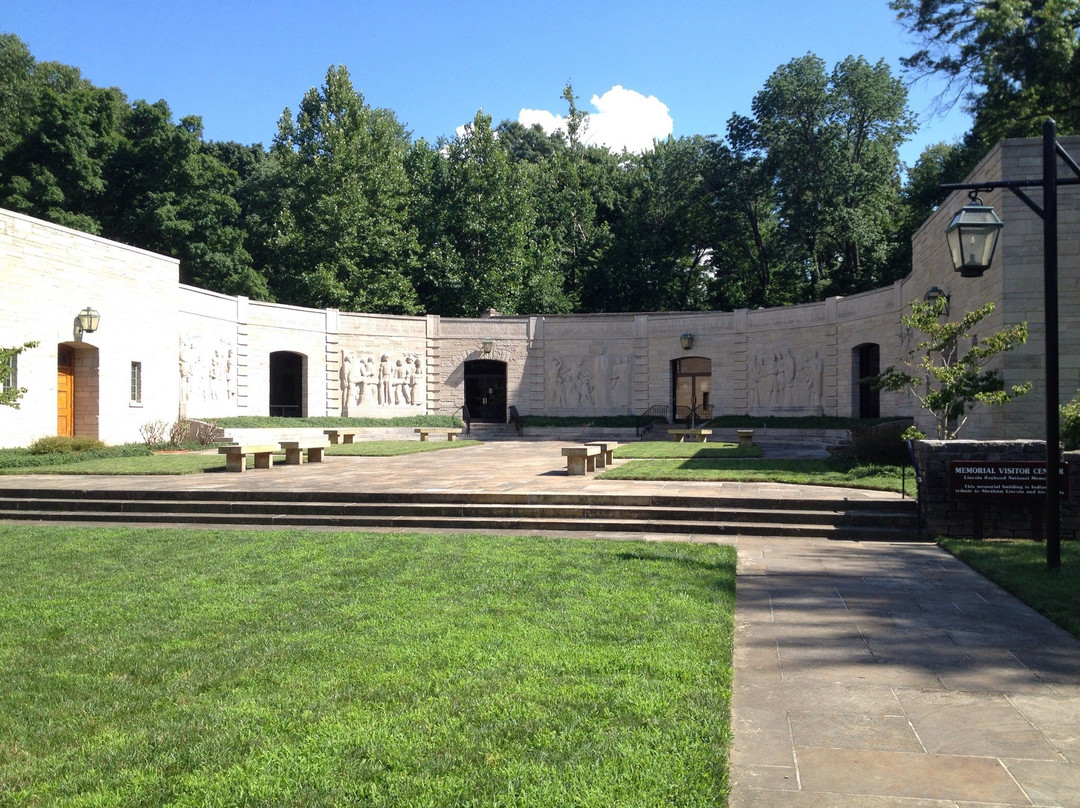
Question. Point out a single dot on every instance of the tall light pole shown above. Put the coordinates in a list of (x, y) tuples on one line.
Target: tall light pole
[(971, 258)]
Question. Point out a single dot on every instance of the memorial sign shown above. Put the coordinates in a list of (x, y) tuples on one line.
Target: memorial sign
[(1003, 478)]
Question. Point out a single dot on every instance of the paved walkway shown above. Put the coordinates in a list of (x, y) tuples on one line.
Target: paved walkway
[(867, 675)]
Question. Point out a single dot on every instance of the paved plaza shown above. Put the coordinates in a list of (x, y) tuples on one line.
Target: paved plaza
[(867, 674)]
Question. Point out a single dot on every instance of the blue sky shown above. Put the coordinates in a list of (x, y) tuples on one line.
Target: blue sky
[(239, 64)]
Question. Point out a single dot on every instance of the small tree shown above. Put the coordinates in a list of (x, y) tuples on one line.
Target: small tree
[(946, 382), (9, 393)]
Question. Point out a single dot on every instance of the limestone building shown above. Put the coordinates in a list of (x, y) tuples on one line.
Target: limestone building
[(164, 350)]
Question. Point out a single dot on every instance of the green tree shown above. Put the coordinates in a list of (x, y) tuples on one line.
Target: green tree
[(1013, 62), (57, 135), (168, 194), (10, 393), (948, 383), (339, 195), (831, 143), (475, 220)]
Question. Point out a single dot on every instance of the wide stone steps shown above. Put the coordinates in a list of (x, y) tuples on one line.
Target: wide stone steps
[(861, 520)]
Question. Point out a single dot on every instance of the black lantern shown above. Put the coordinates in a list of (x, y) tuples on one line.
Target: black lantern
[(972, 235), (687, 341), (934, 294)]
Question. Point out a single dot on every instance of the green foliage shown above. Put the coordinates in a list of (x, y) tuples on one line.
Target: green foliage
[(46, 453), (1014, 62), (1070, 423), (278, 668), (338, 201), (63, 444), (879, 445), (9, 393), (948, 383)]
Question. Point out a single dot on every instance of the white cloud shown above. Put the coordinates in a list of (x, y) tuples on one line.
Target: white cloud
[(623, 118)]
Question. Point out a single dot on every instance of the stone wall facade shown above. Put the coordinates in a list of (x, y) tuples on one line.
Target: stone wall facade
[(944, 513), (204, 354)]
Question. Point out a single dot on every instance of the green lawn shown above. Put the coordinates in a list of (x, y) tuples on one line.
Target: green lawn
[(200, 668), (199, 462), (1019, 567), (667, 460)]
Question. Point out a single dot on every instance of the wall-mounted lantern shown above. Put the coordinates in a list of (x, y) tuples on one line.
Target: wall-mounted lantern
[(87, 320), (487, 345), (687, 341), (973, 235), (934, 294)]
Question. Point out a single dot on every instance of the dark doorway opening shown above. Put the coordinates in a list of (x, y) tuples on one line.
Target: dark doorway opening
[(867, 364), (485, 390), (287, 384)]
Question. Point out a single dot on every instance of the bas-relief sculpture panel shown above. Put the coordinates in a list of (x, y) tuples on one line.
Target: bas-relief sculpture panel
[(392, 380), (786, 379), (599, 382), (207, 370)]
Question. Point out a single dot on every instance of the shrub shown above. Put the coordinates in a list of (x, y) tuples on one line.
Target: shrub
[(880, 444), (62, 444), (153, 432), (179, 432), (1070, 423)]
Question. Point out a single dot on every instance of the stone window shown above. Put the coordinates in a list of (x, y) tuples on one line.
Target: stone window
[(136, 382)]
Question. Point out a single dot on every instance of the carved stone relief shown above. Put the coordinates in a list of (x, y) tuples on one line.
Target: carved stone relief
[(392, 380), (596, 382), (207, 369), (786, 378)]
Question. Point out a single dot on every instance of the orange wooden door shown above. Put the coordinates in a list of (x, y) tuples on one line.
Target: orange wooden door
[(65, 393)]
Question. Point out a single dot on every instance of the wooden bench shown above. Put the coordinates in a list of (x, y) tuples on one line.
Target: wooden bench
[(236, 455), (746, 437), (607, 448), (698, 435), (344, 435), (424, 431), (580, 459), (294, 450)]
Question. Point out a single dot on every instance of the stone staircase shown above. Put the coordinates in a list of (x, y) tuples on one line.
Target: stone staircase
[(635, 514)]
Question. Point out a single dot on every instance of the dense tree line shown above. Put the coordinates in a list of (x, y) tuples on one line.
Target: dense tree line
[(802, 199)]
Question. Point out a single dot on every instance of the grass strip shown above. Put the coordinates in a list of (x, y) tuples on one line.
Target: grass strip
[(169, 667), (1019, 567), (199, 462), (670, 448), (795, 472)]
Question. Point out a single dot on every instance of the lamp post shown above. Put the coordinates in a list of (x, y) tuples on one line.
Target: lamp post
[(972, 237)]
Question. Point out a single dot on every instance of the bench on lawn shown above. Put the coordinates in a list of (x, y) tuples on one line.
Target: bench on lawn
[(746, 437), (344, 435), (607, 447), (580, 459), (294, 450), (697, 435), (424, 431), (236, 455)]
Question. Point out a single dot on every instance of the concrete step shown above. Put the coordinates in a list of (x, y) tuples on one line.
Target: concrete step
[(871, 520)]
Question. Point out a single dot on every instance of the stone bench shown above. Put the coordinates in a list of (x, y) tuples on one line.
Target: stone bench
[(424, 431), (343, 435), (607, 448), (698, 435), (580, 459), (294, 450), (236, 455), (746, 437)]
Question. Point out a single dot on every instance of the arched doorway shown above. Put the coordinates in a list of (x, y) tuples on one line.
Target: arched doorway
[(691, 388), (485, 390), (77, 399), (287, 384), (867, 363)]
